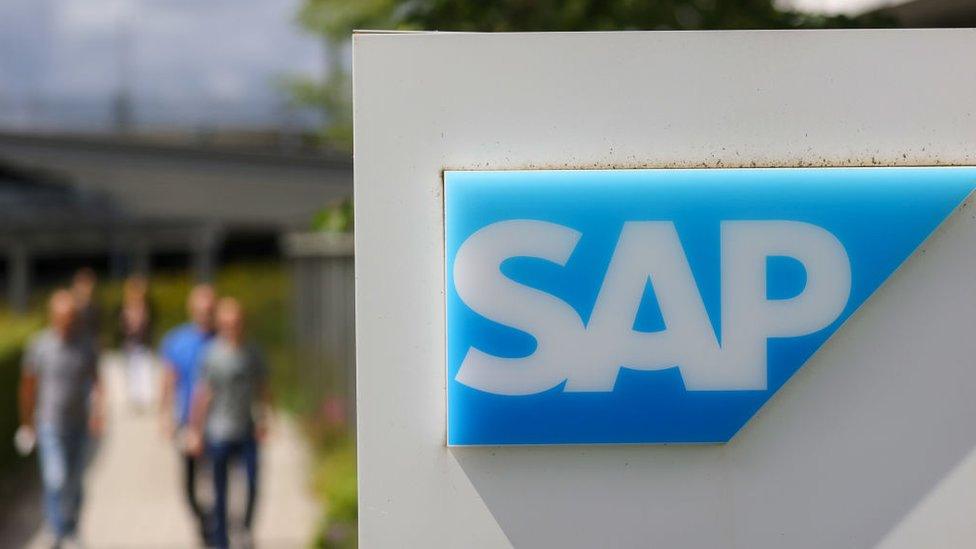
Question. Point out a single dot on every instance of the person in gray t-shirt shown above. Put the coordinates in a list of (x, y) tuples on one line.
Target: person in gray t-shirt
[(66, 370), (230, 408), (235, 375), (60, 400)]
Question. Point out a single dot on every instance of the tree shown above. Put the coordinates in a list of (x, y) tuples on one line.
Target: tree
[(336, 19)]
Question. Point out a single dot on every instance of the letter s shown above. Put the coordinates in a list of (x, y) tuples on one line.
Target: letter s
[(556, 326)]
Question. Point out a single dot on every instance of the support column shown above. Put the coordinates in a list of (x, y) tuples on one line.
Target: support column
[(141, 258), (18, 277), (206, 248), (117, 259)]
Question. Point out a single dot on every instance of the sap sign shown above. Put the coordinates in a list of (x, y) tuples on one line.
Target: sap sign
[(651, 306), (588, 357)]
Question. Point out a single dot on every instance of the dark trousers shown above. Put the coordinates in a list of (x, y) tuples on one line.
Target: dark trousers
[(190, 467), (63, 456), (221, 454)]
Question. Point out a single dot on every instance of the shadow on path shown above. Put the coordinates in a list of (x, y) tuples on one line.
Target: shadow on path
[(21, 515)]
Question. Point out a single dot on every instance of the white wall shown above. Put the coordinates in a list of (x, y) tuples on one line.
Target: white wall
[(870, 443)]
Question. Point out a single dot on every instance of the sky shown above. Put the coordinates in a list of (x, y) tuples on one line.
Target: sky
[(839, 7), (199, 63), (202, 64)]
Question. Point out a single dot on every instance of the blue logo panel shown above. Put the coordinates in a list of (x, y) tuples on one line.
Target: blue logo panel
[(660, 306)]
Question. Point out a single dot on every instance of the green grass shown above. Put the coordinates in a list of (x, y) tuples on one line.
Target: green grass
[(334, 481)]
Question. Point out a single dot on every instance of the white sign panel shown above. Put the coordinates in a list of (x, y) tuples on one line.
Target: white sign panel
[(868, 444)]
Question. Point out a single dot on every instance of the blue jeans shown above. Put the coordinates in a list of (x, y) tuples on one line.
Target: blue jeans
[(63, 454), (221, 454)]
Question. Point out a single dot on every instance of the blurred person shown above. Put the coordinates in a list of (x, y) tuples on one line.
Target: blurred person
[(61, 401), (181, 350), (230, 411), (135, 323), (83, 285)]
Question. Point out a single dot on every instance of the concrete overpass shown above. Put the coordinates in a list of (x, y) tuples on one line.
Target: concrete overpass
[(173, 199)]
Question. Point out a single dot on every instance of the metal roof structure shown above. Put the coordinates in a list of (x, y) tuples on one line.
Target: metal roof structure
[(34, 200), (265, 190)]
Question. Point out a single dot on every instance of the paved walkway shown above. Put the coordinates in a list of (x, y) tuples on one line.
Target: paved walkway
[(132, 491)]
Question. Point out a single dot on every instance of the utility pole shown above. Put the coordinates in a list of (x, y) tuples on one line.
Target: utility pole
[(121, 112)]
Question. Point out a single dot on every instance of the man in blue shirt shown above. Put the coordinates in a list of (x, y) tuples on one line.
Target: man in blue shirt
[(182, 351)]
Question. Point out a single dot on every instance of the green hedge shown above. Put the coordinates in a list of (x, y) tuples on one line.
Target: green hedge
[(336, 485), (14, 332)]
